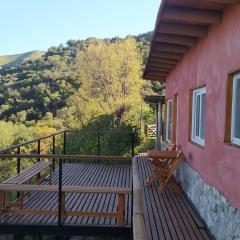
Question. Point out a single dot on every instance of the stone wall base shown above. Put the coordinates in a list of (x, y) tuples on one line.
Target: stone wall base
[(222, 219)]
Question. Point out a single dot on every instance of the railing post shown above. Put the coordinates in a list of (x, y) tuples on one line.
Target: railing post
[(53, 151), (18, 166), (133, 143), (39, 149), (18, 161), (121, 210), (64, 143), (60, 193), (98, 145)]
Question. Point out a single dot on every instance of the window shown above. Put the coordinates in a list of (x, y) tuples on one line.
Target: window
[(198, 115), (168, 120), (235, 129)]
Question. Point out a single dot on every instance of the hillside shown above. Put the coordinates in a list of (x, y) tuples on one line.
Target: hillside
[(16, 59), (39, 87)]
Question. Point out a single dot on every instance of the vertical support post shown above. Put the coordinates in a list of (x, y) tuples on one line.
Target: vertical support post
[(18, 166), (63, 207), (98, 145), (60, 193), (121, 209), (53, 151), (159, 125), (64, 143), (39, 149), (133, 142), (18, 161)]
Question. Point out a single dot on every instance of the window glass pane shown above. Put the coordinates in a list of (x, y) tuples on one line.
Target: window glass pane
[(237, 110), (203, 114), (197, 115)]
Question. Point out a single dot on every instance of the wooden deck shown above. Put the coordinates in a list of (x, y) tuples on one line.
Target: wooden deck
[(80, 174), (167, 216)]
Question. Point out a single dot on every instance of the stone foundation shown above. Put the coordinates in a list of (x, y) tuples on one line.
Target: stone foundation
[(222, 219)]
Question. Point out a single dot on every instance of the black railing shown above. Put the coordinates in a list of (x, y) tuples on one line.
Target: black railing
[(73, 145), (80, 142)]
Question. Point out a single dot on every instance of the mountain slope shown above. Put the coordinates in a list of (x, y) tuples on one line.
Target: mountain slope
[(16, 59), (31, 90)]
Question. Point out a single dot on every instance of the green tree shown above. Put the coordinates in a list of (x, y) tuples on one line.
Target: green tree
[(111, 82)]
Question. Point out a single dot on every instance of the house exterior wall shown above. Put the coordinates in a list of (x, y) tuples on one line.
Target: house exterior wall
[(209, 63)]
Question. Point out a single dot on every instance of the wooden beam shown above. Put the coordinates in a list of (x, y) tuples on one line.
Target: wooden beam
[(162, 60), (161, 65), (157, 74), (176, 39), (160, 70), (65, 189), (168, 55), (225, 1), (183, 29), (159, 79), (163, 71), (192, 16), (168, 47)]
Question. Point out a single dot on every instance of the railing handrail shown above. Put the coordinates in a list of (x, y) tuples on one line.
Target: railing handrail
[(55, 134), (31, 141), (98, 131)]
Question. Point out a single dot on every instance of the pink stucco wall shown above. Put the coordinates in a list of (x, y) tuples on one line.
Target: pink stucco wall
[(209, 63)]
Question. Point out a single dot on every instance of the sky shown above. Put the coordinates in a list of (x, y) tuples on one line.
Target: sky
[(27, 25)]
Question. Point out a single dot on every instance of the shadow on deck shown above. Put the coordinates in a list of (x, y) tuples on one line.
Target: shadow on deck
[(167, 215)]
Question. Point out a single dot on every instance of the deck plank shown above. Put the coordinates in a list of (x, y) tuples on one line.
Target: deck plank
[(167, 215)]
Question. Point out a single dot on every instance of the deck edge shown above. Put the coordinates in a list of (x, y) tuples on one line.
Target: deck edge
[(139, 228)]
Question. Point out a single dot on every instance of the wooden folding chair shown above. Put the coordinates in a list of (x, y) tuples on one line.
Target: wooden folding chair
[(164, 164)]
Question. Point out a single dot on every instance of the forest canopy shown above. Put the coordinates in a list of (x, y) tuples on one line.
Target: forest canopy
[(93, 83)]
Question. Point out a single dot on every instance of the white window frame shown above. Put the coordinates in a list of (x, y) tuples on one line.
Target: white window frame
[(234, 140), (194, 137), (168, 120)]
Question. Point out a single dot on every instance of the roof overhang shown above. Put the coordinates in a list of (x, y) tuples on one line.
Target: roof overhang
[(154, 99), (179, 26)]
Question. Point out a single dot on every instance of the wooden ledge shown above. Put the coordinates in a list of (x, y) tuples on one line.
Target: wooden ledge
[(65, 189), (139, 229)]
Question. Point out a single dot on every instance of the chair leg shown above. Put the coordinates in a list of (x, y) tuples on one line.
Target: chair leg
[(174, 185), (150, 180)]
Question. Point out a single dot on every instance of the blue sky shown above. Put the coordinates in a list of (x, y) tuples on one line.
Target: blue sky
[(38, 24)]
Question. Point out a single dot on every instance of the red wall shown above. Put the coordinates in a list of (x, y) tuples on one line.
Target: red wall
[(209, 63)]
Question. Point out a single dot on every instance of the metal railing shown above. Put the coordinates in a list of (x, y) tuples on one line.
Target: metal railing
[(80, 142), (100, 144)]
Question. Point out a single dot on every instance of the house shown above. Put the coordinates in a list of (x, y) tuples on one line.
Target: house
[(195, 52)]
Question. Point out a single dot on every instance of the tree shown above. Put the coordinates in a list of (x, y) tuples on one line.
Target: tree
[(111, 82)]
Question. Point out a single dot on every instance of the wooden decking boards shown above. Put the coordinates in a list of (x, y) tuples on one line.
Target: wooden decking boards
[(167, 216), (158, 216), (81, 174)]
